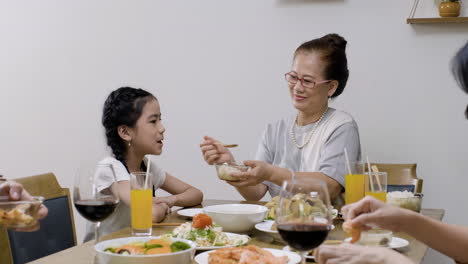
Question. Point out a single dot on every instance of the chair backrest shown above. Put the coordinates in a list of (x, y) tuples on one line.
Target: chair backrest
[(57, 229), (401, 176)]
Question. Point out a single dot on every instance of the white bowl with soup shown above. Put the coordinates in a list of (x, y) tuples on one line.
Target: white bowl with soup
[(237, 218)]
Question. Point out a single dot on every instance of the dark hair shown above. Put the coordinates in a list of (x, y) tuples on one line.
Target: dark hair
[(460, 70), (332, 47), (122, 107)]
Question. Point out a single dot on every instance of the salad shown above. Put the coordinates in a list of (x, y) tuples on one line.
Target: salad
[(205, 233)]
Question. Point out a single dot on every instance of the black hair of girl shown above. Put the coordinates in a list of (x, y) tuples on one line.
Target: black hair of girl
[(123, 106), (332, 47), (460, 70)]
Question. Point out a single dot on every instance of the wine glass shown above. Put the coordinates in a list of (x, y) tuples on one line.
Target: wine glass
[(303, 215), (92, 194)]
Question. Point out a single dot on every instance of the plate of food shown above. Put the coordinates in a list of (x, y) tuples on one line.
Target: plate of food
[(395, 242), (251, 254), (273, 204), (191, 212), (145, 250), (206, 234)]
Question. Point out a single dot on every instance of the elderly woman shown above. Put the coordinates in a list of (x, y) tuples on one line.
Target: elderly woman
[(450, 240), (310, 143)]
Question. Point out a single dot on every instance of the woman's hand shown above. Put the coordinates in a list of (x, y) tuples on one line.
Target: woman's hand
[(354, 254), (260, 172), (214, 152), (370, 212), (15, 192)]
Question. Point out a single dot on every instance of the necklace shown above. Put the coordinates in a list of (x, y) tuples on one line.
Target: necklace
[(293, 133)]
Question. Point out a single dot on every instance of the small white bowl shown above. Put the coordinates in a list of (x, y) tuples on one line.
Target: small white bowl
[(104, 257), (237, 218)]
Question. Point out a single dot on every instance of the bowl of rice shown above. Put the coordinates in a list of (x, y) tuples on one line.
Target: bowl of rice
[(408, 200)]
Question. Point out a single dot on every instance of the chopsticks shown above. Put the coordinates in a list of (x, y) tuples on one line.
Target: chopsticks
[(226, 145), (166, 224), (230, 146)]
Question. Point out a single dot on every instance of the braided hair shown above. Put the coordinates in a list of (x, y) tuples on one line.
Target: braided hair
[(332, 48), (122, 107)]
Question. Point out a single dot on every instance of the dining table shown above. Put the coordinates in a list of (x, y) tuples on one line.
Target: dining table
[(84, 253)]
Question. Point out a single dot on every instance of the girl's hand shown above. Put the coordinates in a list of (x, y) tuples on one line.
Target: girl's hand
[(160, 210), (168, 200), (259, 173), (355, 254), (214, 152)]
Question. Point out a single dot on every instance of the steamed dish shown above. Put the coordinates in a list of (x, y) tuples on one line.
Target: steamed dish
[(244, 255), (152, 247), (19, 214), (226, 169), (406, 200)]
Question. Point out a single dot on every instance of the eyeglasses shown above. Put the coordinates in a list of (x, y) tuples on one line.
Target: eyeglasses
[(306, 83)]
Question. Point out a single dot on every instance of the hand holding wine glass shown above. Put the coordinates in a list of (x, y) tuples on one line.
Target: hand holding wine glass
[(303, 215), (92, 197)]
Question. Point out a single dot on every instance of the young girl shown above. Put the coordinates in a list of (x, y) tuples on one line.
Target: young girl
[(132, 121)]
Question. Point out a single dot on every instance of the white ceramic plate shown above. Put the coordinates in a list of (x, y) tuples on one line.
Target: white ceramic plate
[(294, 258), (190, 212), (230, 235), (287, 248), (396, 242), (265, 226)]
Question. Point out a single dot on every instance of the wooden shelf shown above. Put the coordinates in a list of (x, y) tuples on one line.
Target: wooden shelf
[(437, 20)]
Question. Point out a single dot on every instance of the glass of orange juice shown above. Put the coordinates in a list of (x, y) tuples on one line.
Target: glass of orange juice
[(141, 203), (376, 185), (354, 182)]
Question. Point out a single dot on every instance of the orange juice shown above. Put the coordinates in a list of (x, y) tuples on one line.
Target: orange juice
[(382, 196), (354, 187), (141, 205)]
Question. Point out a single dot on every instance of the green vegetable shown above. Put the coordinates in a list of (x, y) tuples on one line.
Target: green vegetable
[(270, 218), (179, 246), (152, 246), (112, 250)]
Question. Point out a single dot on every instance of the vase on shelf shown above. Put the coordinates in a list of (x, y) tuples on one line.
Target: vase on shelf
[(449, 8)]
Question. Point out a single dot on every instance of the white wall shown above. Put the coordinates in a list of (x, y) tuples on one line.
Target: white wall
[(217, 68)]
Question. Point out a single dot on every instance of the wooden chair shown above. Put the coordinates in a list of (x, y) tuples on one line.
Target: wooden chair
[(401, 174), (57, 229)]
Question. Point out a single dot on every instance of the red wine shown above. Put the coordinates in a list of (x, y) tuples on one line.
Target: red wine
[(95, 210), (303, 237)]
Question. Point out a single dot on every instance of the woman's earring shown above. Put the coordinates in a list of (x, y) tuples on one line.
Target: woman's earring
[(129, 143)]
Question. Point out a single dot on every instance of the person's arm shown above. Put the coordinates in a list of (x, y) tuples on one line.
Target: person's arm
[(355, 254), (250, 183), (183, 194), (250, 193), (448, 239)]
